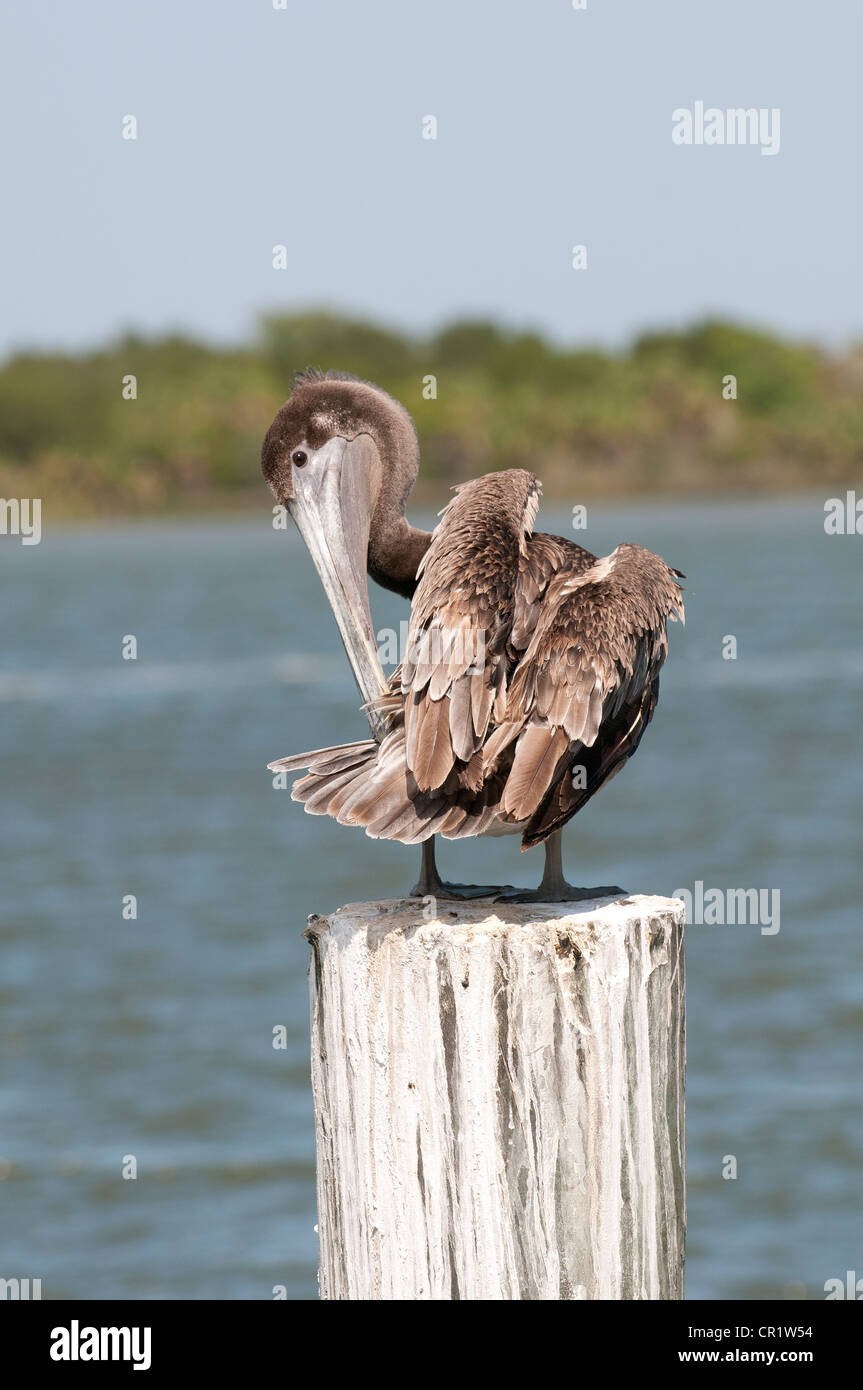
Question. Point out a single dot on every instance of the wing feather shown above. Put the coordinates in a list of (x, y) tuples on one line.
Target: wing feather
[(454, 676), (589, 673)]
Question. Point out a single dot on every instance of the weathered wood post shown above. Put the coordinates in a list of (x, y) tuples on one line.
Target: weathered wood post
[(499, 1100)]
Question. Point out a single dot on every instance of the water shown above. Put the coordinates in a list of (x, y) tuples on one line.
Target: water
[(153, 1038)]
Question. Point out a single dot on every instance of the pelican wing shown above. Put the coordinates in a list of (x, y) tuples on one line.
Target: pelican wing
[(586, 686), (543, 557), (454, 674)]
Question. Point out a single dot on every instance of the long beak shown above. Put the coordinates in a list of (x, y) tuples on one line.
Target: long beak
[(332, 509)]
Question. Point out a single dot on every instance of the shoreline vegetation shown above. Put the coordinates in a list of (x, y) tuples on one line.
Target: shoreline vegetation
[(658, 417)]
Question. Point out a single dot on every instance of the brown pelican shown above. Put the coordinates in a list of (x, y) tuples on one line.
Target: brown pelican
[(532, 667)]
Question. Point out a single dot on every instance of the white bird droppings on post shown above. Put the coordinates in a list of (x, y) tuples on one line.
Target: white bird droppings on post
[(499, 1100)]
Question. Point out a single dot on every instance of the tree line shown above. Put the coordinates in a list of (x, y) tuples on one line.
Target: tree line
[(154, 425)]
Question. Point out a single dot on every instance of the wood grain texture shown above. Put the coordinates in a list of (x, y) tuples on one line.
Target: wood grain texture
[(499, 1100)]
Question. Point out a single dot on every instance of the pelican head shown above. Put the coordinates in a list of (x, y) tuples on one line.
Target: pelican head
[(341, 456)]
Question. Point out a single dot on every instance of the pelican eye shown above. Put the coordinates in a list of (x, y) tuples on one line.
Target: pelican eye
[(299, 457)]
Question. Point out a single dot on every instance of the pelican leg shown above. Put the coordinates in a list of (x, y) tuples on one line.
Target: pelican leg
[(554, 887), (431, 885)]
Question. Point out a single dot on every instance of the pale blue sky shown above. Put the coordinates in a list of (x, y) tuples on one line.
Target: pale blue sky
[(303, 126)]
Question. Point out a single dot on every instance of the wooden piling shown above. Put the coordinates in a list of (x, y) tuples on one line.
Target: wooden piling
[(499, 1099)]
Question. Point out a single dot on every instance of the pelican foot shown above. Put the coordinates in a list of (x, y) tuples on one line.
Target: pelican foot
[(439, 889), (561, 893)]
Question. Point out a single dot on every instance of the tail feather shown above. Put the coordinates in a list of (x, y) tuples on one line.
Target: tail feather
[(322, 791), (379, 789), (323, 759), (391, 825)]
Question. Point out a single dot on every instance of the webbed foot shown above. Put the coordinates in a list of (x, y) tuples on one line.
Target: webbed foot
[(560, 893), (439, 889)]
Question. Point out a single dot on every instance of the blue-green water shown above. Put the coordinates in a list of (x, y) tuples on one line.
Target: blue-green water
[(153, 1037)]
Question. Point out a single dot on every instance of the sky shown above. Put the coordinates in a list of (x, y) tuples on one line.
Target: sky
[(303, 127)]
